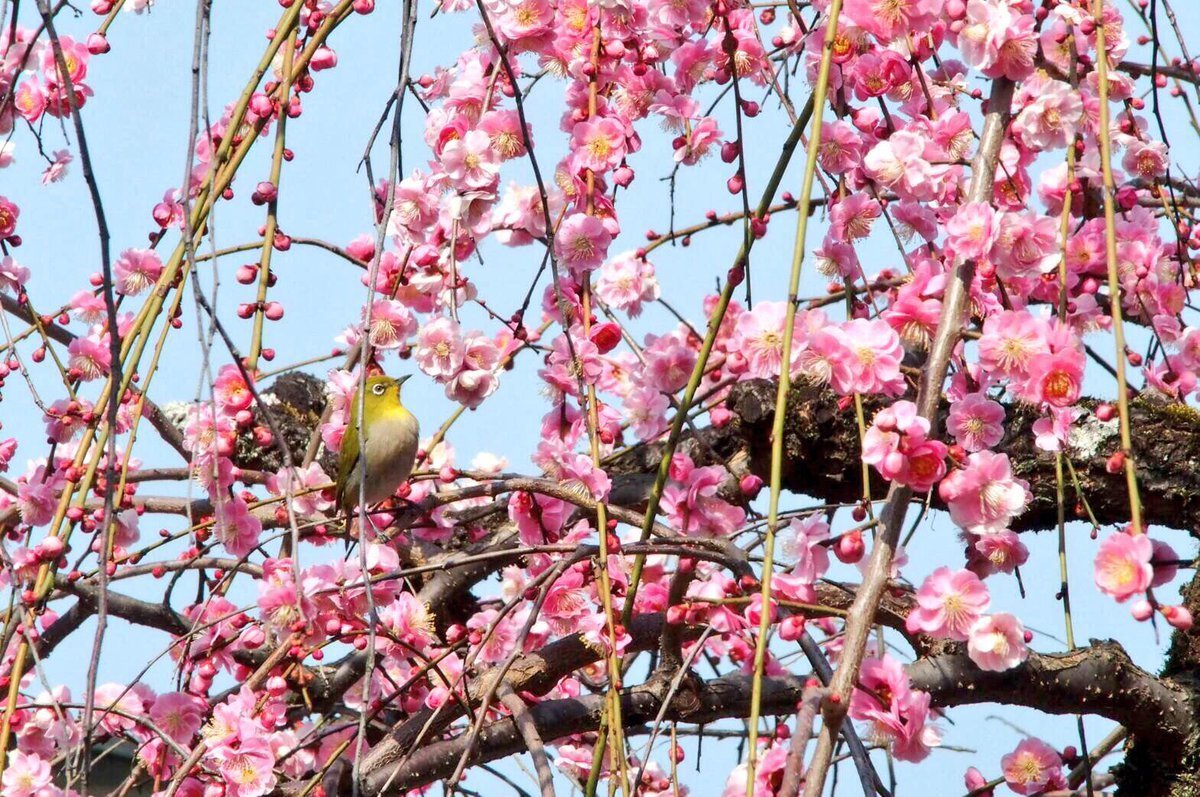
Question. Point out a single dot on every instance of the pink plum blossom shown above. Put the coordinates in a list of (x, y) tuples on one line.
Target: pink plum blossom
[(949, 603), (582, 242), (1122, 568), (976, 422), (1032, 768), (25, 775), (470, 161), (897, 446), (997, 642), (626, 282), (598, 144), (692, 504), (983, 497)]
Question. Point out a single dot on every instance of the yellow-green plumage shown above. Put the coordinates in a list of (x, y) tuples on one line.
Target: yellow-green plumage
[(391, 440)]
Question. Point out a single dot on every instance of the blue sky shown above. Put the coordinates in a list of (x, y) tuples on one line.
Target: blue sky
[(137, 127)]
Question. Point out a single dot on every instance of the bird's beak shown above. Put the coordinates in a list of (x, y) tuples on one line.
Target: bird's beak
[(400, 380)]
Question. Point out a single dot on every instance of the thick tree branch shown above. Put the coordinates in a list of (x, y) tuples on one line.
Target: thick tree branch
[(823, 455), (1100, 679)]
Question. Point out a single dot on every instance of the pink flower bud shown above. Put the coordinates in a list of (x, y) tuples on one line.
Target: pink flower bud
[(361, 248), (247, 274), (719, 416), (267, 190), (973, 779), (754, 610), (751, 485), (735, 184), (1177, 616), (606, 336), (50, 548), (1127, 197), (261, 105), (323, 58), (849, 548), (363, 6), (102, 6), (791, 628), (162, 214), (1105, 412), (97, 44), (729, 151), (273, 311), (623, 176), (1141, 610)]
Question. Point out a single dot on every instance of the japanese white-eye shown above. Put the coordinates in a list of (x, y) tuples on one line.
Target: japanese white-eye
[(391, 439)]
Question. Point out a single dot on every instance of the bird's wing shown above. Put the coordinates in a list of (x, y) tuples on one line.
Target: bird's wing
[(349, 457)]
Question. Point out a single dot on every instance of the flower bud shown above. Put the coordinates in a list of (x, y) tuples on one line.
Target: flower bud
[(1141, 610), (751, 485), (606, 336), (1177, 616), (323, 58), (791, 628), (267, 191), (850, 548), (50, 548), (97, 44), (261, 105)]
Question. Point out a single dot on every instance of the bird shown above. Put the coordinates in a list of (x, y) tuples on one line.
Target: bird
[(392, 436)]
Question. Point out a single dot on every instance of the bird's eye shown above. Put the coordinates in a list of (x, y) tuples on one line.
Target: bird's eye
[(378, 390)]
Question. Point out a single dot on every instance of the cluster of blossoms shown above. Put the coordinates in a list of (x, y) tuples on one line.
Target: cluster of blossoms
[(896, 152)]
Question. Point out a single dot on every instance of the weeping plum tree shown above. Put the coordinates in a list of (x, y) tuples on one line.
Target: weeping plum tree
[(997, 339)]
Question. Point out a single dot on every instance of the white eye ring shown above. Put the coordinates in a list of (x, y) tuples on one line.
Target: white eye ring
[(378, 390)]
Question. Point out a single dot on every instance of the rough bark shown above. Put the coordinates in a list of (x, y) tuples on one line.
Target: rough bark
[(821, 455)]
